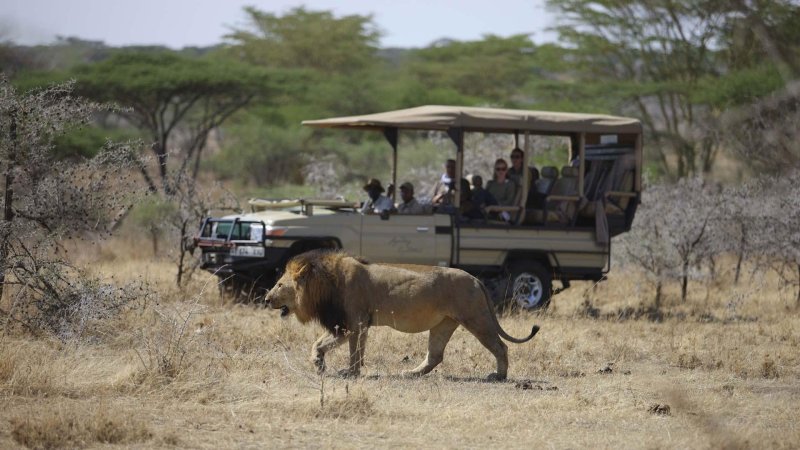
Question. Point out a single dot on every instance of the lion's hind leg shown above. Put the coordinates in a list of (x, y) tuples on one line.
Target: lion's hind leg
[(437, 341), (488, 336)]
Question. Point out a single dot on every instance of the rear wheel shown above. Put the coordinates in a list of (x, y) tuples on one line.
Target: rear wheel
[(530, 286)]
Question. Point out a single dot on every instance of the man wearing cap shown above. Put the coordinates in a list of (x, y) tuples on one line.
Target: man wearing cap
[(376, 203), (410, 205)]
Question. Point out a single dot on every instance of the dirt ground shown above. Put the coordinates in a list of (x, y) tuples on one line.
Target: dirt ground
[(183, 370)]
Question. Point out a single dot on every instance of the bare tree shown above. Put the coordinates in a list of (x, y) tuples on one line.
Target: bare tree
[(46, 201), (673, 230)]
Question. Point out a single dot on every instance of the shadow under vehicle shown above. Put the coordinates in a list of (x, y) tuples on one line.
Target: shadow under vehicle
[(558, 228)]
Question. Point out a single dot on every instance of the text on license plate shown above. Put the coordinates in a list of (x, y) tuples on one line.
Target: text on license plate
[(256, 252)]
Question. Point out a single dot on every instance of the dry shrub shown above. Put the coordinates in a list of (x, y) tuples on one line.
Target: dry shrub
[(689, 361), (55, 299), (352, 406), (768, 368), (71, 429), (165, 345), (26, 369), (176, 344)]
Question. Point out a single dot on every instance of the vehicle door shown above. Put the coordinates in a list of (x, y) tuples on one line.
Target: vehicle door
[(407, 239)]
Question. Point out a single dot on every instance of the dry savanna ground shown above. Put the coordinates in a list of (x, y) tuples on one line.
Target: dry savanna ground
[(183, 370)]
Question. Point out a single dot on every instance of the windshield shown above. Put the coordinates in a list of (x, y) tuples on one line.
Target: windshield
[(238, 231)]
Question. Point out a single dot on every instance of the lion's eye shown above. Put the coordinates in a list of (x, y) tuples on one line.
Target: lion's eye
[(279, 285)]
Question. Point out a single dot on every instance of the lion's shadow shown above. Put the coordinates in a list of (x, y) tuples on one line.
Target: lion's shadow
[(455, 379)]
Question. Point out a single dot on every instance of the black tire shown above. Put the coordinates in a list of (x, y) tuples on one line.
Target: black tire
[(530, 286)]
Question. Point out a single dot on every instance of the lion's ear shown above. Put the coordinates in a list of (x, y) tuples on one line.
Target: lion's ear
[(302, 273)]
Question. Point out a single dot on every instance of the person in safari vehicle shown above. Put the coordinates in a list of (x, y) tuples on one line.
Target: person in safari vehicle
[(376, 203), (410, 205)]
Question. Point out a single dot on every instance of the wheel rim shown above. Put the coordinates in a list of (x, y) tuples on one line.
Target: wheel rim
[(527, 291)]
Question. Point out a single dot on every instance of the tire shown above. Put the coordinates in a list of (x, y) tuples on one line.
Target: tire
[(530, 286)]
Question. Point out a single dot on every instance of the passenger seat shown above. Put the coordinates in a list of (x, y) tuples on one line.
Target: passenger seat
[(549, 175), (561, 203)]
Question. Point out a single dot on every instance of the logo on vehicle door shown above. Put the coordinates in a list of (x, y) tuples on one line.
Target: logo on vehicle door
[(403, 245)]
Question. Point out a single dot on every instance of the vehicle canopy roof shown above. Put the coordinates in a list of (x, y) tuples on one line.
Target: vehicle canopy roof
[(435, 117)]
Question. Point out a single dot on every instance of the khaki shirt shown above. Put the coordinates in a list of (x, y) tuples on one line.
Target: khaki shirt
[(412, 207)]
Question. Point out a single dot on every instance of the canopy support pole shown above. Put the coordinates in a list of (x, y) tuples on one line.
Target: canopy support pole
[(457, 135), (391, 135), (582, 165)]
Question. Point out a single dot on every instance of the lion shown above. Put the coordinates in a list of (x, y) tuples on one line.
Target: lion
[(347, 296)]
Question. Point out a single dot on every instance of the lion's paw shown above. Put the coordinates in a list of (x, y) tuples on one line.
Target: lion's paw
[(349, 373), (494, 377), (410, 374)]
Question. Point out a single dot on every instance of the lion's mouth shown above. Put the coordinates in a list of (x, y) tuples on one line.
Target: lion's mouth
[(284, 311)]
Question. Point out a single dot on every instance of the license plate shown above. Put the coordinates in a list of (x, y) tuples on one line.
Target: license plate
[(254, 252)]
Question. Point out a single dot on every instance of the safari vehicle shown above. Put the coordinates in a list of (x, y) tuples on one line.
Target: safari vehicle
[(564, 236)]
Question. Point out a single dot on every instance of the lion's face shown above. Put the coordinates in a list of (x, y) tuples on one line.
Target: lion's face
[(283, 295)]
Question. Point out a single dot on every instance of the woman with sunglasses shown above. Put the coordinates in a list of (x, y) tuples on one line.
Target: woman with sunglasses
[(501, 188)]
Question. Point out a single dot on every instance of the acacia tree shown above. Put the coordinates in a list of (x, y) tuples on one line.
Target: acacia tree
[(668, 59), (167, 93), (333, 59), (46, 201), (493, 68), (304, 39)]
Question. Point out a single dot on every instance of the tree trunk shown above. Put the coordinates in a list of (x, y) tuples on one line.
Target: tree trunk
[(160, 150), (658, 294), (684, 281), (182, 252), (8, 198), (154, 239), (740, 256), (798, 284)]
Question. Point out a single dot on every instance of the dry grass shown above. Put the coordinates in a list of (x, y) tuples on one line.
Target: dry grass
[(721, 370)]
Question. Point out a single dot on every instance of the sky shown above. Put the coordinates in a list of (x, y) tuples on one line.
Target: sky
[(181, 23)]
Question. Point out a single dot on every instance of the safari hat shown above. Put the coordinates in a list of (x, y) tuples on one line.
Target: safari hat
[(373, 183)]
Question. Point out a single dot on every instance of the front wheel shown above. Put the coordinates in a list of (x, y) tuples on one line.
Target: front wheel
[(530, 286)]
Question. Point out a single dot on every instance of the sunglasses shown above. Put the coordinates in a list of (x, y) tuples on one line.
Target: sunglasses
[(516, 156), (501, 169)]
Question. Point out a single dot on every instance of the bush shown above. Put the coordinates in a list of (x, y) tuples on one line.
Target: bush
[(262, 155)]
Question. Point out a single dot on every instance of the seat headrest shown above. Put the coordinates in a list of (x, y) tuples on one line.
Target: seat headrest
[(568, 171), (549, 172)]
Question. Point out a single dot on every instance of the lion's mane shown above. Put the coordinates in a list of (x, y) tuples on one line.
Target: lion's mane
[(319, 275)]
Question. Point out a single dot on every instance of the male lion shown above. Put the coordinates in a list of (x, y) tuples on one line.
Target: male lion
[(348, 295)]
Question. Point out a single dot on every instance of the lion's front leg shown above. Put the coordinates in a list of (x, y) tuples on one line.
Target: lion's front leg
[(324, 344), (358, 341)]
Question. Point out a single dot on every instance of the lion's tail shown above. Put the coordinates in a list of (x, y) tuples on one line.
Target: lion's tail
[(503, 333)]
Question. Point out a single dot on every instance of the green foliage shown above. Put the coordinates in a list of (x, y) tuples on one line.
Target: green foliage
[(493, 68), (259, 154), (677, 65), (738, 88), (303, 39), (152, 214), (668, 61), (166, 90), (88, 141), (144, 79)]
